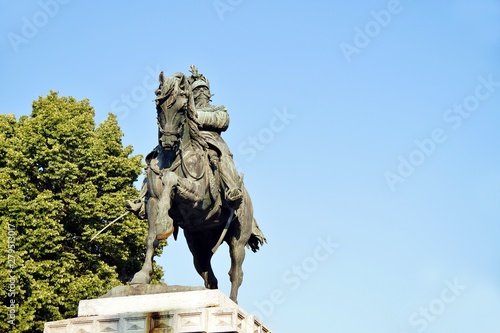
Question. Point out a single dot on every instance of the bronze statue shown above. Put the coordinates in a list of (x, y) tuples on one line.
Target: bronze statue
[(191, 183)]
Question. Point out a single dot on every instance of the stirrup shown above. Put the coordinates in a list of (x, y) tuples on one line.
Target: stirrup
[(234, 197)]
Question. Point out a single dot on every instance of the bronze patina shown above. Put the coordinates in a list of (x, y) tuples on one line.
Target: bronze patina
[(191, 182)]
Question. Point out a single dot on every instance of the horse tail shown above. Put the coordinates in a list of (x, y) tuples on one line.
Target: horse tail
[(257, 238)]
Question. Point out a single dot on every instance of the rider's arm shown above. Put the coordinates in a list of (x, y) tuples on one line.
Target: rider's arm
[(214, 120)]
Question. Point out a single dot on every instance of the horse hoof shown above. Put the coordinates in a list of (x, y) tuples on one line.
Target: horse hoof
[(165, 234), (140, 278)]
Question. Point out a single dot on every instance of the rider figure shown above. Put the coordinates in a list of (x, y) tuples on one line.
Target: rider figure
[(214, 120)]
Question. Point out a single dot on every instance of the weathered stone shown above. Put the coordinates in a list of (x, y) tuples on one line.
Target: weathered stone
[(147, 289), (173, 312)]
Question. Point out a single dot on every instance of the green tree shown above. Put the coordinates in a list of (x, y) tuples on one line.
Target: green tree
[(62, 179)]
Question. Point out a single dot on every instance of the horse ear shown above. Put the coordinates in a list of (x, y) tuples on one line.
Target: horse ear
[(161, 77), (183, 83)]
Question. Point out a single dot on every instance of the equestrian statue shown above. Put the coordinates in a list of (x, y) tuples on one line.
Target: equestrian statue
[(191, 182)]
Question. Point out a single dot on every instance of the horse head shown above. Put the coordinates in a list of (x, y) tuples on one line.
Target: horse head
[(175, 109), (172, 97)]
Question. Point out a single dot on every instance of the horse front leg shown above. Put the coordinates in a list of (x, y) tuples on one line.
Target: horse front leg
[(144, 275), (237, 254), (164, 223)]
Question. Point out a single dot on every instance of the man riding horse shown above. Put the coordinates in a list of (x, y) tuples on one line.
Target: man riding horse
[(191, 183), (214, 120)]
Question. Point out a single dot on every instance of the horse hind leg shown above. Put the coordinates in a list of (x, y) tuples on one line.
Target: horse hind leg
[(202, 255), (209, 279), (204, 268), (237, 254), (237, 238)]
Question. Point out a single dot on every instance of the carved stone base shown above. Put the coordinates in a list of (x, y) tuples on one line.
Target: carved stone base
[(172, 312)]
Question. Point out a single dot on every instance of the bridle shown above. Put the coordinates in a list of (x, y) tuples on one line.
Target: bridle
[(161, 96), (177, 133)]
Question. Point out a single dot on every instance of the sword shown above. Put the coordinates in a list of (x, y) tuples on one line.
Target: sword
[(221, 238), (110, 223)]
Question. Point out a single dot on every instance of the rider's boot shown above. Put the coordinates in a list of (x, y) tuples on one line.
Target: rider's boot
[(232, 180), (234, 197)]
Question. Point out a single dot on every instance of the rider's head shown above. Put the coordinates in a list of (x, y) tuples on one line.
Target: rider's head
[(201, 95), (200, 88)]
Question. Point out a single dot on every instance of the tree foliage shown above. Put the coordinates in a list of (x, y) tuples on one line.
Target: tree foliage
[(62, 179)]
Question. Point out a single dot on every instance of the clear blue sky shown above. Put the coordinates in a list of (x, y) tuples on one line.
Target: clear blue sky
[(368, 133)]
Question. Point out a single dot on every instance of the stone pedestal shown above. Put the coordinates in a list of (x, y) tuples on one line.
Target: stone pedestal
[(195, 311)]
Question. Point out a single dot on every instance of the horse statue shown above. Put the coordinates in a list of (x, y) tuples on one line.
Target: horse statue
[(184, 191)]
